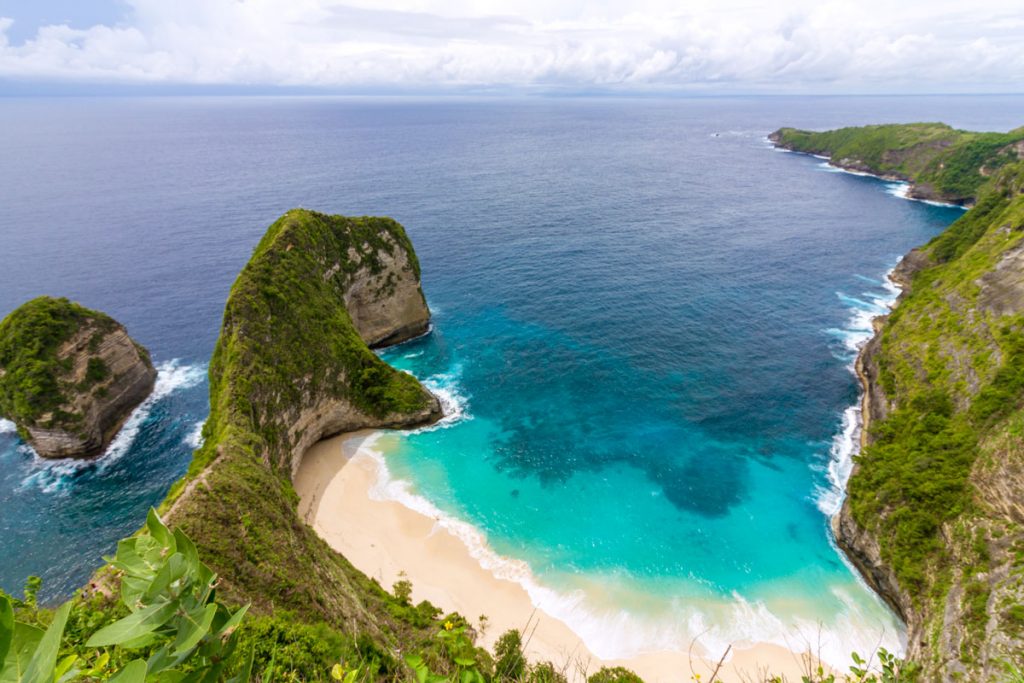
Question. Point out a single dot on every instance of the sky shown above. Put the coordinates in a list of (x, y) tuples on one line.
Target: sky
[(491, 46)]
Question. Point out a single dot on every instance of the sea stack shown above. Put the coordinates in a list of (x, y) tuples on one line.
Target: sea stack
[(69, 376)]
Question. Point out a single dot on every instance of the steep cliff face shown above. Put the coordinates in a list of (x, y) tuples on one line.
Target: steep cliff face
[(292, 366), (385, 300), (69, 377), (933, 519)]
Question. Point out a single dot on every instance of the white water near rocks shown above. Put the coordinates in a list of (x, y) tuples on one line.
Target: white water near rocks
[(58, 475)]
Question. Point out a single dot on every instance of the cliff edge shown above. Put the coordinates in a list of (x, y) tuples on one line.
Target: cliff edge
[(934, 518), (292, 366), (69, 377)]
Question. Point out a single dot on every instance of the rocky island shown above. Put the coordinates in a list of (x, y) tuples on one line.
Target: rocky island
[(69, 377), (934, 517)]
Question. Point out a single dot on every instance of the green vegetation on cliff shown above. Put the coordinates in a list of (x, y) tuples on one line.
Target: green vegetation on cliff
[(33, 379), (288, 349), (942, 163), (939, 485), (287, 337)]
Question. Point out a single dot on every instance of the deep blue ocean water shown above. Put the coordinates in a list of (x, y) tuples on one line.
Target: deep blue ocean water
[(644, 314)]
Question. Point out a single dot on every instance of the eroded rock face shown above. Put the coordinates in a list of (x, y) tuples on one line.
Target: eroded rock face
[(386, 303), (80, 379), (1001, 290), (106, 406)]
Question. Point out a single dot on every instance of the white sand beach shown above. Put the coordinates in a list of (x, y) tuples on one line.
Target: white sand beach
[(384, 538)]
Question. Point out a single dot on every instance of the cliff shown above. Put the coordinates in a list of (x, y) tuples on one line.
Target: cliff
[(69, 377), (940, 162), (933, 518), (293, 365)]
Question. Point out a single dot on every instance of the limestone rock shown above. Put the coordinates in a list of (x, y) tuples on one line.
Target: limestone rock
[(69, 377)]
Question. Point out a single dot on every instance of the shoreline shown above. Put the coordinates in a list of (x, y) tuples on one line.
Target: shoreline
[(908, 185), (388, 540)]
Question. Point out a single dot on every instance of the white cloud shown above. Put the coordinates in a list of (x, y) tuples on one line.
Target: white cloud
[(848, 45)]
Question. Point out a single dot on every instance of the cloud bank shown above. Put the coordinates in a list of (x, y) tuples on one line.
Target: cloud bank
[(474, 45)]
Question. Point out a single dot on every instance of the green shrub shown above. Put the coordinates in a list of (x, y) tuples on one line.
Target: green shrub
[(615, 674), (510, 664)]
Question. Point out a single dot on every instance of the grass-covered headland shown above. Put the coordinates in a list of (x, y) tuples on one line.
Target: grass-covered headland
[(940, 162), (935, 513)]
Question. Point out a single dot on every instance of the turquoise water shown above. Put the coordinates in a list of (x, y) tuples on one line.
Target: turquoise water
[(644, 321)]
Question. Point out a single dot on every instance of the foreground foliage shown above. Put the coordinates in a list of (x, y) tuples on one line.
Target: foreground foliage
[(153, 616), (174, 629)]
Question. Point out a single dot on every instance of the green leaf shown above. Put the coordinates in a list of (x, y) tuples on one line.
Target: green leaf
[(128, 559), (133, 588), (23, 646), (99, 666), (160, 533), (188, 549), (145, 640), (6, 626), (63, 671), (172, 570), (133, 626), (229, 627), (245, 673), (418, 667), (133, 672), (465, 661), (152, 552), (197, 626), (43, 663)]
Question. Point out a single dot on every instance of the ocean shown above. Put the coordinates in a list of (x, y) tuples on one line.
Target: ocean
[(644, 324)]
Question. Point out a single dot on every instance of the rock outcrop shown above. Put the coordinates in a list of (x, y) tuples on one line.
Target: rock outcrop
[(292, 366), (69, 377), (385, 301)]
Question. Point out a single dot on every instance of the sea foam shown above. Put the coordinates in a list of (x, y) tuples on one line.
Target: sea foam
[(609, 628), (859, 329), (56, 476), (613, 632), (897, 188), (454, 402), (194, 439)]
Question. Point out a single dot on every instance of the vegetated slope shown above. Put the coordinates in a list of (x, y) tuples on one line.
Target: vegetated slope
[(69, 376), (935, 512), (940, 162), (290, 368)]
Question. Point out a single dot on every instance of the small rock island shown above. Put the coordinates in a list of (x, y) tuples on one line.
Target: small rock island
[(69, 376)]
